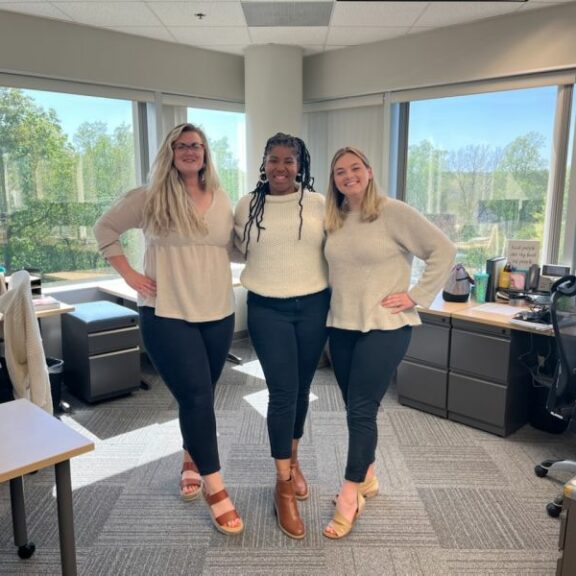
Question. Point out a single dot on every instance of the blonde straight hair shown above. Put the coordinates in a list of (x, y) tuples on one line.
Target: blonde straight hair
[(336, 209), (169, 207)]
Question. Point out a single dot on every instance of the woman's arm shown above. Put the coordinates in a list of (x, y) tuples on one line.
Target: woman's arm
[(124, 215)]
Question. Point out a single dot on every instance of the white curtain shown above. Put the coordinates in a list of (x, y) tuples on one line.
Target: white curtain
[(328, 130)]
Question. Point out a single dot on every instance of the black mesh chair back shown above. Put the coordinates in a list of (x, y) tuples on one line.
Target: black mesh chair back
[(562, 397)]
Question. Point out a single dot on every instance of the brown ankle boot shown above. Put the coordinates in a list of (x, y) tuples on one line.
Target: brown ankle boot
[(287, 513), (300, 485)]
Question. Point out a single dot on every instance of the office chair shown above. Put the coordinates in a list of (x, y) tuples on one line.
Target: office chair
[(561, 401)]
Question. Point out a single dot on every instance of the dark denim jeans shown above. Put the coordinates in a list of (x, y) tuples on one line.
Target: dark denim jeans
[(190, 357), (288, 335), (364, 363)]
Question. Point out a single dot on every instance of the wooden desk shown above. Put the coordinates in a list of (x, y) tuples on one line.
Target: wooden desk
[(31, 439)]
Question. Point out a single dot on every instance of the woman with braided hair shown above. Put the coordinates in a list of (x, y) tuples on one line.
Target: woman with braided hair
[(280, 229)]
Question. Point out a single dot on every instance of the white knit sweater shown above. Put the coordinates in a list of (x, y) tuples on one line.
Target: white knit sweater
[(280, 265), (370, 260)]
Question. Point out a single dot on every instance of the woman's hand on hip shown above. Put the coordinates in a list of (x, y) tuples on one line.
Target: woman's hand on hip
[(142, 284), (398, 302)]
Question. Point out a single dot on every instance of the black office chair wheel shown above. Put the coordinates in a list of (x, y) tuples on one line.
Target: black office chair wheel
[(26, 551), (540, 471), (554, 508)]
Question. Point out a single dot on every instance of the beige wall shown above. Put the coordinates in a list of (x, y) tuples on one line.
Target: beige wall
[(59, 50), (533, 41)]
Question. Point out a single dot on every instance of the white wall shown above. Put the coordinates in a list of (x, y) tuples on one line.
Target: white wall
[(532, 41), (52, 49)]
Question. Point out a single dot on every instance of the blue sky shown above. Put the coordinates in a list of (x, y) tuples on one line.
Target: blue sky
[(73, 110), (496, 118)]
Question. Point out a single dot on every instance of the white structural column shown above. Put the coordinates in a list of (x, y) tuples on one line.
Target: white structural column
[(273, 92)]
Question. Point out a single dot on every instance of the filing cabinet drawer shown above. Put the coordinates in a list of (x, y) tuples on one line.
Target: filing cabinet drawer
[(430, 343), (113, 373), (480, 355), (477, 399), (422, 384), (111, 340)]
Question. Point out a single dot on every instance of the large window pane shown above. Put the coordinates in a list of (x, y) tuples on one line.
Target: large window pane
[(226, 133), (478, 167), (567, 236), (63, 160)]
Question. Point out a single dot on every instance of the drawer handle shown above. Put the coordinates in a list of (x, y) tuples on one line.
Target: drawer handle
[(117, 353), (117, 331)]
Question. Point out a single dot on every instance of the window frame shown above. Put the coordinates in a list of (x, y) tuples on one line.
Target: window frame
[(398, 117)]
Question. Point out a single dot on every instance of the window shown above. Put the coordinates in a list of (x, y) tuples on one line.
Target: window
[(226, 133), (478, 166), (64, 158)]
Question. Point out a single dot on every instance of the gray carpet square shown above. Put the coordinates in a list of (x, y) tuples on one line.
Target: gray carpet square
[(150, 560), (453, 466), (472, 518), (501, 563)]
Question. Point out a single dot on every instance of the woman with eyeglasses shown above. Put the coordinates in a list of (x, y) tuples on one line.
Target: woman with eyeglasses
[(185, 296)]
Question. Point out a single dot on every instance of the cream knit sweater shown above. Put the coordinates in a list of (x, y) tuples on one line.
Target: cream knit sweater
[(23, 344), (193, 277), (370, 260), (279, 265)]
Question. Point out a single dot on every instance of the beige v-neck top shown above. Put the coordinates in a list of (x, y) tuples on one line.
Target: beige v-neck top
[(192, 273)]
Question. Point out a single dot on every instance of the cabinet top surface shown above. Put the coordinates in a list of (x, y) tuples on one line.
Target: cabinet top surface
[(491, 313)]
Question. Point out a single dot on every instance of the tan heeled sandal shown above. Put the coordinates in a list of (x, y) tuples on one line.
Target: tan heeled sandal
[(368, 489), (189, 482), (340, 526), (221, 522)]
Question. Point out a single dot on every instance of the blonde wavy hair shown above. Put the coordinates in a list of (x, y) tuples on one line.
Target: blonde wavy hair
[(169, 207), (336, 209)]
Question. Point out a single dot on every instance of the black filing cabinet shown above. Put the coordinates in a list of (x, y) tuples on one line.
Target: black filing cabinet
[(100, 346), (487, 386), (422, 378)]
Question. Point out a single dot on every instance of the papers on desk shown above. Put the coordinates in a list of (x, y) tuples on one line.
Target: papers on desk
[(532, 325), (45, 303), (492, 308)]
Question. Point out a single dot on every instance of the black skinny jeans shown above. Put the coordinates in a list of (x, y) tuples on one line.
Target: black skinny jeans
[(190, 356), (364, 363), (288, 335)]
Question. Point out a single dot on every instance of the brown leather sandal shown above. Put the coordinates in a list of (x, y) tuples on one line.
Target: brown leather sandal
[(221, 522), (188, 482)]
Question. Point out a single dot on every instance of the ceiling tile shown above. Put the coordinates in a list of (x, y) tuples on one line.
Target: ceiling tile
[(311, 36), (109, 13), (183, 13), (448, 13), (376, 13), (42, 9), (210, 36), (352, 35)]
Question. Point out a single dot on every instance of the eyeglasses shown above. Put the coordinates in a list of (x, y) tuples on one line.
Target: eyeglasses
[(181, 146)]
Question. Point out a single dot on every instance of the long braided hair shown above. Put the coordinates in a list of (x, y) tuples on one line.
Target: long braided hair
[(258, 200)]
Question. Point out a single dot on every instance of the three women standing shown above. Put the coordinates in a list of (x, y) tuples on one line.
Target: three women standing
[(280, 229)]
